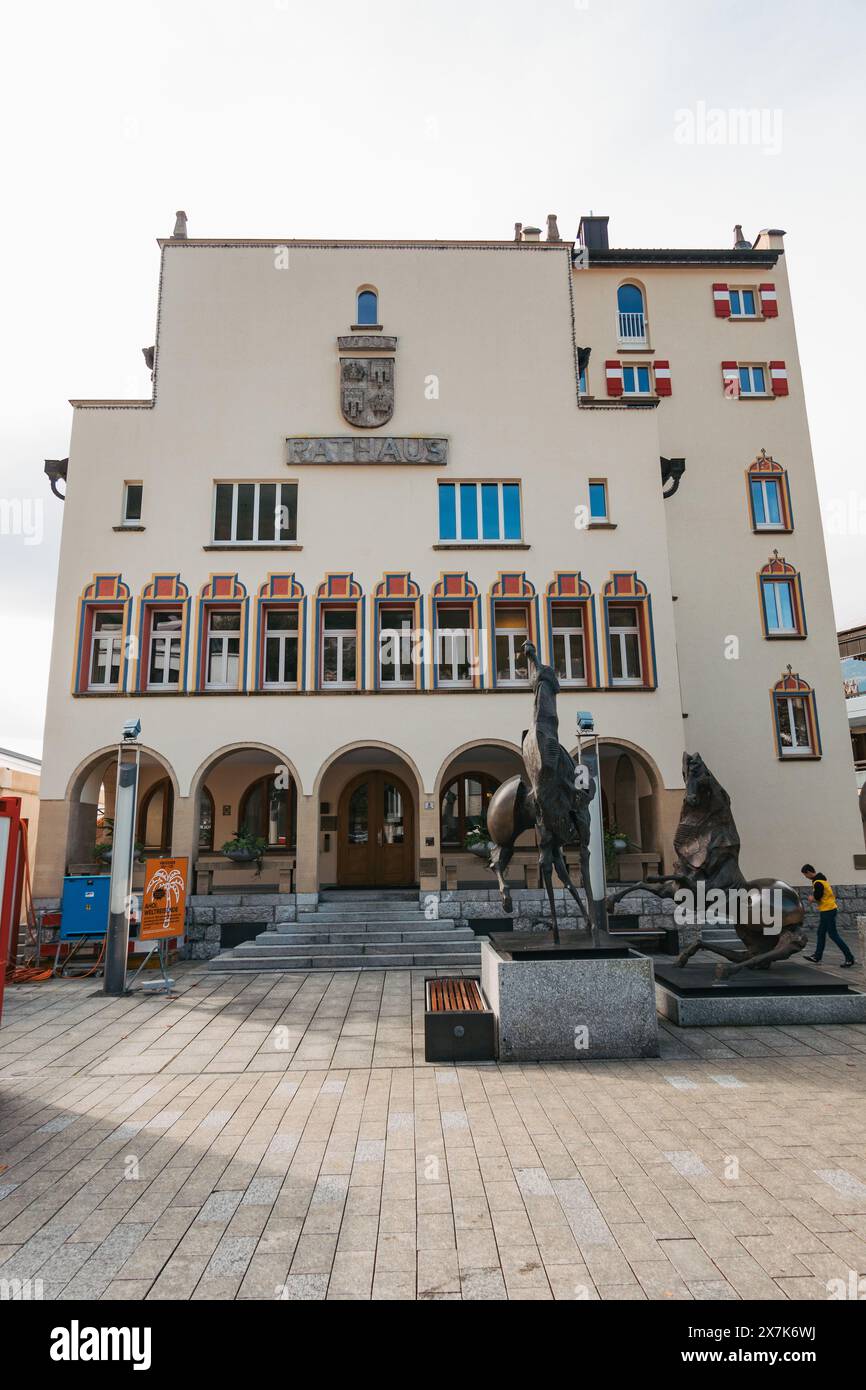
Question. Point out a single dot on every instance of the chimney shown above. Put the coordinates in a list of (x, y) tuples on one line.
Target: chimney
[(532, 234), (552, 228), (179, 233), (740, 242), (771, 239), (592, 233)]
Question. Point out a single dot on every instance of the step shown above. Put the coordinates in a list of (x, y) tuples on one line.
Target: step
[(356, 948), (418, 961), (346, 895), (320, 924), (363, 910), (311, 938)]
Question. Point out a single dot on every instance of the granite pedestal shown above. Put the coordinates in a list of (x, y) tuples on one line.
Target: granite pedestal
[(571, 1003), (786, 993)]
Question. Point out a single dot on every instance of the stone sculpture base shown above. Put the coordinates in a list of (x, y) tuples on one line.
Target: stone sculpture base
[(788, 993), (571, 1003)]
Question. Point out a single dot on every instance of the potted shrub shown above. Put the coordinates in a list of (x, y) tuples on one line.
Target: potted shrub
[(477, 841), (102, 849), (615, 841), (244, 848)]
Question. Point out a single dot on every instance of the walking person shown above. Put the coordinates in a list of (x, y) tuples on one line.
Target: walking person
[(823, 896)]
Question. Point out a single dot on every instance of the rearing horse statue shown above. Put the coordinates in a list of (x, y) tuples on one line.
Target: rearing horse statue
[(550, 802)]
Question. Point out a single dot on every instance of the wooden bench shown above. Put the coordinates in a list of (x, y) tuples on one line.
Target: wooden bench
[(458, 1026)]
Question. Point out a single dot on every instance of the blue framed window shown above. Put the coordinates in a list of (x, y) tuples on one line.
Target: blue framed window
[(753, 381), (743, 304), (767, 502), (581, 385), (368, 308), (598, 500), (479, 512), (779, 606), (636, 381)]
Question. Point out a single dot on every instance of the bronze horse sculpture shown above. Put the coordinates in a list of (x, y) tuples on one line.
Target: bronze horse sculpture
[(707, 850), (550, 802)]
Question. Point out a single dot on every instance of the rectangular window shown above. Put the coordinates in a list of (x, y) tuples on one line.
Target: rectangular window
[(280, 649), (753, 381), (779, 610), (636, 381), (625, 659), (255, 513), (223, 649), (106, 643), (395, 647), (598, 500), (132, 495), (744, 304), (163, 671), (569, 644), (767, 503), (510, 632), (794, 725), (455, 645), (339, 652), (582, 386), (479, 512)]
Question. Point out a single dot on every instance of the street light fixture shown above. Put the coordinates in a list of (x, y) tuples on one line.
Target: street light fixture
[(591, 760), (122, 851)]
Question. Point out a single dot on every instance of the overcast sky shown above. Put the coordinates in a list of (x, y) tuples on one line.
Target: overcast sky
[(341, 118)]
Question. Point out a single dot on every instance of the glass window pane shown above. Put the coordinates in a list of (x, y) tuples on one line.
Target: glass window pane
[(450, 815), (801, 727), (222, 530), (108, 621), (503, 657), (490, 511), (229, 621), (511, 510), (512, 619), (232, 662), (598, 501), (643, 378), (272, 661), (735, 301), (246, 502), (559, 656), (632, 654), (368, 307), (576, 651), (628, 378), (282, 619), (340, 619), (268, 520), (567, 617), (758, 503), (468, 512), (393, 823), (447, 512), (359, 815), (288, 519), (758, 373), (330, 650), (748, 302), (774, 510), (745, 381), (623, 617), (133, 502), (616, 658), (784, 712), (349, 650), (290, 660)]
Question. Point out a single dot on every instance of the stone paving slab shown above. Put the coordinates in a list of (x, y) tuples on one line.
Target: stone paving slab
[(282, 1138)]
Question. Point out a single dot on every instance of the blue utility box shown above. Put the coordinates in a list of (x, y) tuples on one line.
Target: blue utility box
[(84, 911)]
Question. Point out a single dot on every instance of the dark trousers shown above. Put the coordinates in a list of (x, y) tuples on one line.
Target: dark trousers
[(827, 927)]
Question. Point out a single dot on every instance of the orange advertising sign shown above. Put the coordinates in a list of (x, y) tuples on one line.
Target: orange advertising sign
[(163, 903)]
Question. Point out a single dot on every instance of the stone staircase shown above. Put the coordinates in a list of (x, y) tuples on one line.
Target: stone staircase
[(358, 930)]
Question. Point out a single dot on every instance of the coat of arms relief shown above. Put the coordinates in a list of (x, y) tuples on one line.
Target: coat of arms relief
[(367, 390)]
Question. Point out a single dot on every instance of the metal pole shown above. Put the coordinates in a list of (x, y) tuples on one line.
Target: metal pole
[(597, 878), (120, 889)]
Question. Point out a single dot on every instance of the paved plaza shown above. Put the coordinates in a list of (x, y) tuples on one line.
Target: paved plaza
[(281, 1136)]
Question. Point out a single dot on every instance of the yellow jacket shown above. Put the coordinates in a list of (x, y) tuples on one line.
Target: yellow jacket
[(827, 900)]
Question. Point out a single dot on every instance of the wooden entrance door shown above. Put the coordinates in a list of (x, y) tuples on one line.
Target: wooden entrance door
[(376, 833)]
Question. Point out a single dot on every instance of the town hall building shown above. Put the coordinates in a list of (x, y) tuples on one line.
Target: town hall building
[(365, 473)]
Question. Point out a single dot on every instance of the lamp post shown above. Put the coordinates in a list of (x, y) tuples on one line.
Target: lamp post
[(591, 760), (122, 851)]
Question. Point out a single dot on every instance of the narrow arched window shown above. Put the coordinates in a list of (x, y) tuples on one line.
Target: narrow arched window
[(368, 308), (631, 314)]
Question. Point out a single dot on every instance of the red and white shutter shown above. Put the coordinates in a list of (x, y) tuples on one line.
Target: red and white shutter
[(613, 375), (769, 303), (731, 378), (662, 373), (721, 301), (779, 378)]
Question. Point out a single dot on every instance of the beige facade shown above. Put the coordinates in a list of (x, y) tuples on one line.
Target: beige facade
[(247, 356)]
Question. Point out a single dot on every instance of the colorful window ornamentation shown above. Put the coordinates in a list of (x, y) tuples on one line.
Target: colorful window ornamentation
[(628, 628), (163, 626), (513, 622), (339, 634), (571, 630), (280, 633), (795, 718), (398, 634), (221, 658), (458, 659), (103, 641), (769, 495), (781, 590)]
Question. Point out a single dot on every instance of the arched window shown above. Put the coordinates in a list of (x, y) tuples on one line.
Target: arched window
[(269, 812), (155, 817), (368, 308), (464, 805), (631, 314), (205, 819)]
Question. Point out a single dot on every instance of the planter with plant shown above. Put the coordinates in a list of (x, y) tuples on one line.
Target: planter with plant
[(245, 848), (102, 849), (477, 841), (615, 841)]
